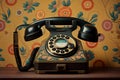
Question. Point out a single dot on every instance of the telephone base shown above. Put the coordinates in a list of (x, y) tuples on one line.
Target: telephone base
[(61, 67)]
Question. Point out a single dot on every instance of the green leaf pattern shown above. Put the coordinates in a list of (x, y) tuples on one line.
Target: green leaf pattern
[(30, 7), (52, 7), (66, 3), (23, 50), (5, 17), (1, 58), (115, 13), (92, 20)]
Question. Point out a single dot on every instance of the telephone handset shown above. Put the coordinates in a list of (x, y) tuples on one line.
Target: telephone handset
[(87, 31), (59, 46)]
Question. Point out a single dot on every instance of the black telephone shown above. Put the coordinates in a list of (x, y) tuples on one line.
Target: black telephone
[(61, 52)]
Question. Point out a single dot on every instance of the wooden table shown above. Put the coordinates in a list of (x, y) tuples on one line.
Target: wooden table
[(98, 73)]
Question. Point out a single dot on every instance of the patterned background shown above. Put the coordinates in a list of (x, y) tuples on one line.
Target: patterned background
[(104, 14)]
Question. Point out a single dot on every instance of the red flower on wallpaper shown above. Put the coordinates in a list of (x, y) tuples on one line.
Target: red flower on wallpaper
[(10, 49), (91, 44), (40, 14), (65, 11), (10, 65), (11, 2), (99, 63), (87, 4), (2, 25)]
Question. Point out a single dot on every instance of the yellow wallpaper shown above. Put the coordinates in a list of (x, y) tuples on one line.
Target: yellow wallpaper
[(104, 14)]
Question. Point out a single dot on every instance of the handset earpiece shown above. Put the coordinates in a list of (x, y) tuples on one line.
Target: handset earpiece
[(32, 32), (89, 33)]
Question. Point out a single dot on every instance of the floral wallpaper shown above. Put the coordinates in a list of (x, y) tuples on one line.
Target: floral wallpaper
[(104, 14)]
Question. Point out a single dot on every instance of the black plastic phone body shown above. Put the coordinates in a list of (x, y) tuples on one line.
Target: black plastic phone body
[(60, 52)]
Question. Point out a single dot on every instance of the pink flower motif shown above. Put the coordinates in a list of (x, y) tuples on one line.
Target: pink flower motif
[(19, 12), (107, 25), (101, 37)]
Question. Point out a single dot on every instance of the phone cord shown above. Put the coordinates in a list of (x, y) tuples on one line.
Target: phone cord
[(17, 56)]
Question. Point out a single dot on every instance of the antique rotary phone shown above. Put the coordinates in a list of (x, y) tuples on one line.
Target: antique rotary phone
[(60, 52)]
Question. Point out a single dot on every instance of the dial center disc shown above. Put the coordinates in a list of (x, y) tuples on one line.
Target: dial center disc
[(61, 43)]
